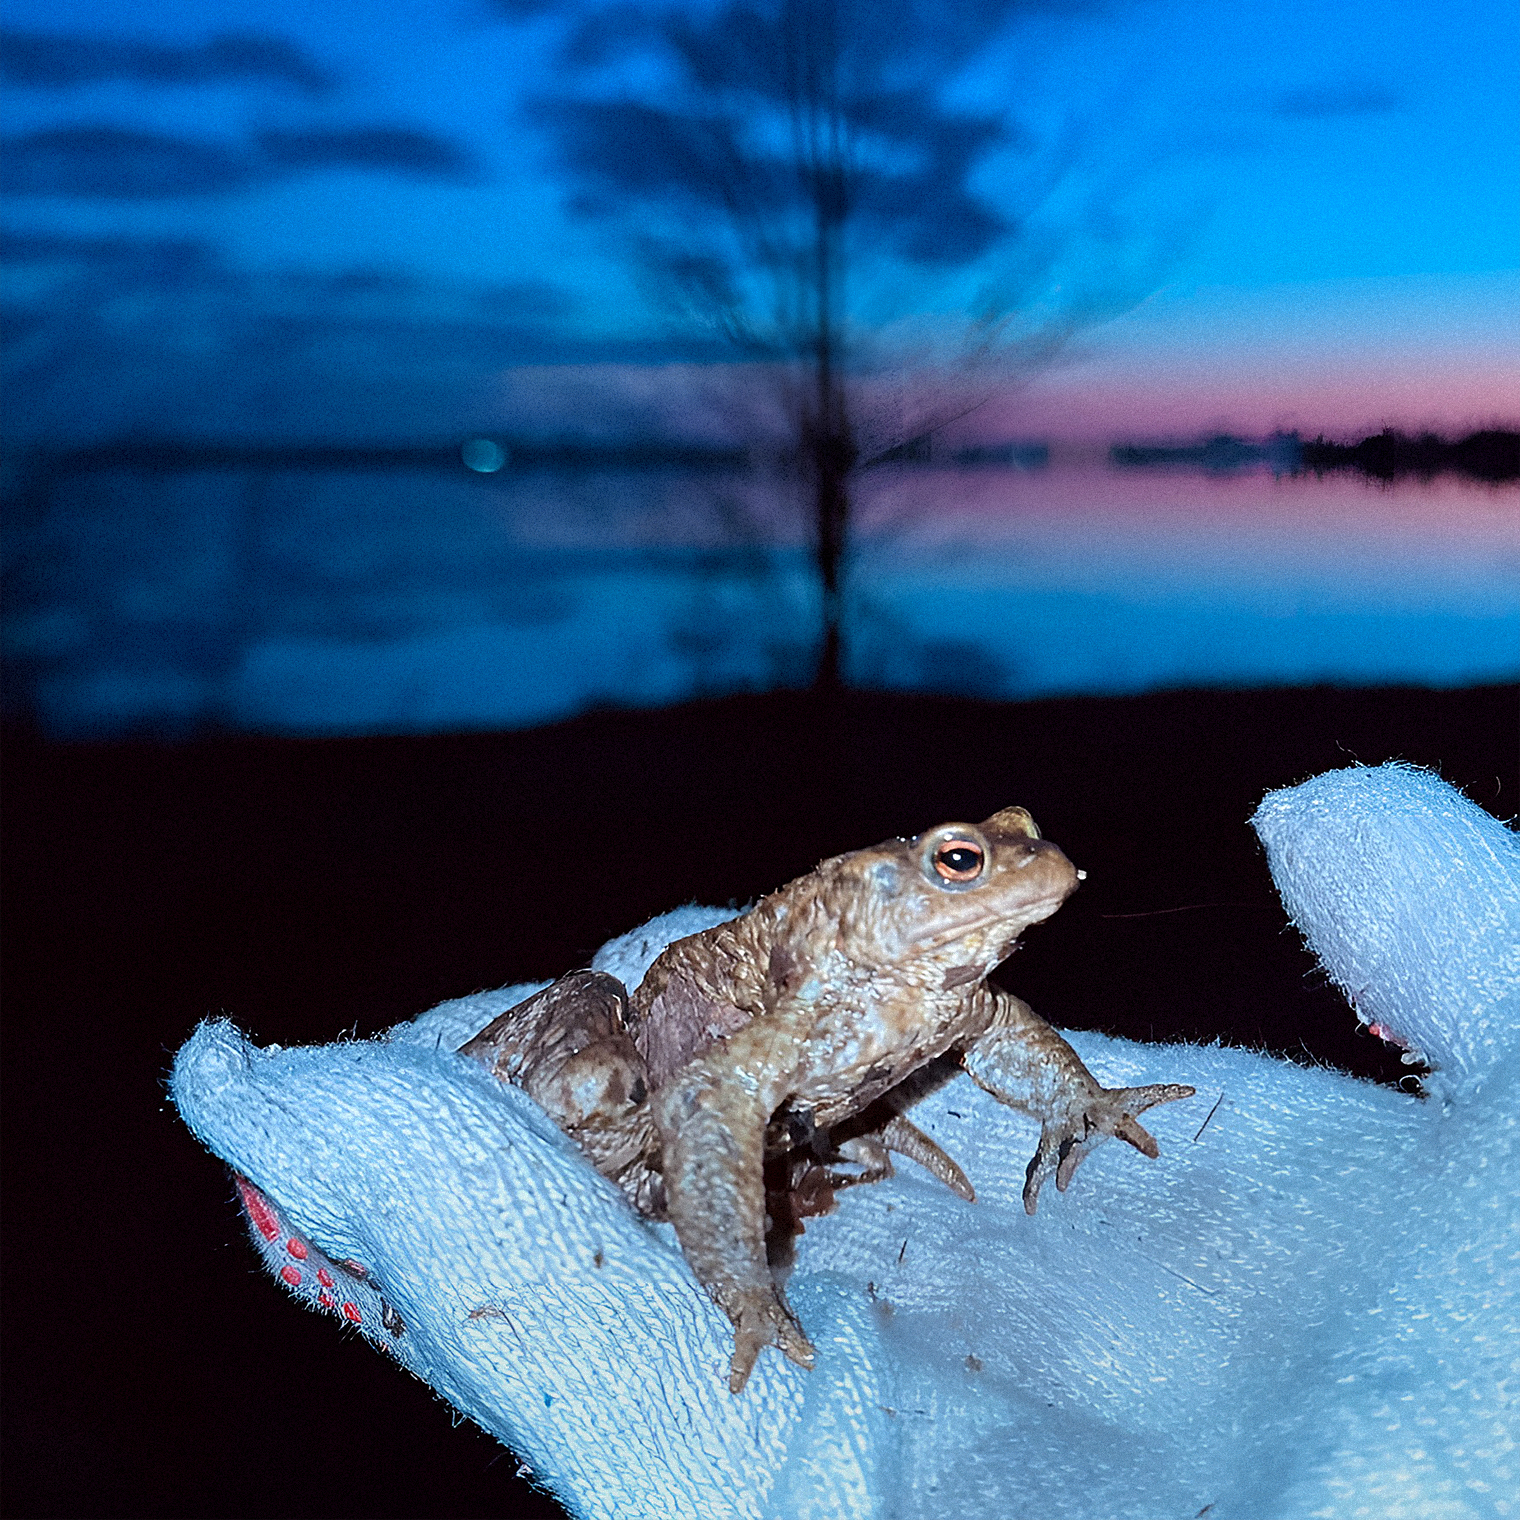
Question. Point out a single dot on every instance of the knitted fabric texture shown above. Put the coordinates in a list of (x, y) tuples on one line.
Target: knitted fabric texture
[(1305, 1308)]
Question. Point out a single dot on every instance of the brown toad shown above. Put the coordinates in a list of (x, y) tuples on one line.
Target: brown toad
[(794, 1028)]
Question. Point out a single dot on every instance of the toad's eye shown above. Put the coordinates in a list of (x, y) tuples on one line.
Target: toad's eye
[(959, 860)]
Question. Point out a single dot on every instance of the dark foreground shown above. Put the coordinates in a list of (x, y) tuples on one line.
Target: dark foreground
[(306, 889)]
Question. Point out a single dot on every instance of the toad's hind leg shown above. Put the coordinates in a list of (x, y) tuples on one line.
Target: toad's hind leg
[(569, 1048), (1024, 1063)]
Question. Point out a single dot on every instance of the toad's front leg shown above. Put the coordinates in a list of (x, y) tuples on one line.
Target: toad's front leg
[(712, 1117), (1024, 1063)]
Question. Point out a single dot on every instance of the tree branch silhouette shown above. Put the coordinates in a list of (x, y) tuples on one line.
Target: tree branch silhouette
[(790, 176)]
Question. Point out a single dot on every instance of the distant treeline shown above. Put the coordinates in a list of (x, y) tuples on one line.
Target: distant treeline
[(1491, 454), (1222, 454)]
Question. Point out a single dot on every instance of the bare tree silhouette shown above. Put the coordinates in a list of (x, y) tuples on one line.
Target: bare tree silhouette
[(793, 177)]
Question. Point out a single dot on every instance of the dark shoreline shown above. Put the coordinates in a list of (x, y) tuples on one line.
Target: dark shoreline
[(308, 888), (1492, 454)]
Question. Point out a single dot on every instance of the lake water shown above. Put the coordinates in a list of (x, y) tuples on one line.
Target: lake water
[(310, 602)]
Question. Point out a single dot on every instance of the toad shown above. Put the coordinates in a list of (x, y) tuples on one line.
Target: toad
[(794, 1030)]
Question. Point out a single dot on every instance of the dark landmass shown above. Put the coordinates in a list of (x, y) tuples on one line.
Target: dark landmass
[(927, 449), (1023, 456), (168, 456), (1221, 454), (1490, 454), (308, 888)]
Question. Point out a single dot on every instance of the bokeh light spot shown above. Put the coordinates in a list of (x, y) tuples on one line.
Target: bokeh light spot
[(483, 455)]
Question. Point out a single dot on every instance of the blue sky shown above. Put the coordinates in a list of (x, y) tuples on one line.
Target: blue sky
[(1339, 180)]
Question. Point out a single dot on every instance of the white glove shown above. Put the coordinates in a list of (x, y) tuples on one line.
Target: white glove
[(1306, 1307)]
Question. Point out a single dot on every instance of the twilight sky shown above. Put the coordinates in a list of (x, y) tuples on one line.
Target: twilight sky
[(1337, 180)]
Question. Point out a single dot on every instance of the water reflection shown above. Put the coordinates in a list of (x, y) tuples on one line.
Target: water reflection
[(314, 600)]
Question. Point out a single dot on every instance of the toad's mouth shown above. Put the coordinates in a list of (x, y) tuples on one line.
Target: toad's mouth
[(1012, 924)]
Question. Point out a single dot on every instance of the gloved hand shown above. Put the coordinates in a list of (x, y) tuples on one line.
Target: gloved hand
[(1304, 1308)]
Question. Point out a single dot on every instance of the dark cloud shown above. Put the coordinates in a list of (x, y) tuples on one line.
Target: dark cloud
[(361, 280), (113, 253), (528, 10), (929, 212), (625, 147), (714, 143), (121, 163), (917, 200), (56, 61), (539, 300), (1321, 102), (116, 162), (402, 150)]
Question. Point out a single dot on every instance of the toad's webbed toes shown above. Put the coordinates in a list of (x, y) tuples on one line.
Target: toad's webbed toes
[(1114, 1113), (1135, 1100), (1065, 1143), (1062, 1149), (761, 1320)]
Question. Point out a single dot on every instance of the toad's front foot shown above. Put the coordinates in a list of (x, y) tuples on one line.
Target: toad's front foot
[(1067, 1137), (760, 1320)]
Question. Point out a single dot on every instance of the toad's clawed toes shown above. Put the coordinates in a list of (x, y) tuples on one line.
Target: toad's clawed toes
[(763, 1320), (1065, 1143)]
